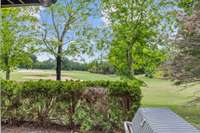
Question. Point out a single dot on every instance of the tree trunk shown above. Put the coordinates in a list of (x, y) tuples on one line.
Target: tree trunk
[(6, 61), (59, 63), (129, 62), (7, 74)]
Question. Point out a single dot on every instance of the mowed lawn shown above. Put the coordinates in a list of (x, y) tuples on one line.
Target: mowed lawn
[(156, 93)]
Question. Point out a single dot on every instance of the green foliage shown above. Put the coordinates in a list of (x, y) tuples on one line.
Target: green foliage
[(186, 62), (9, 99), (135, 26), (187, 5), (69, 32), (89, 104), (17, 40), (67, 18)]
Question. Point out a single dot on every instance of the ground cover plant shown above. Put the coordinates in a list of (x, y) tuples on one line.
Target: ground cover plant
[(84, 104)]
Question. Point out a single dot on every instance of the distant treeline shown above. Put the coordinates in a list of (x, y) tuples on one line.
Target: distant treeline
[(102, 67), (51, 64), (96, 66)]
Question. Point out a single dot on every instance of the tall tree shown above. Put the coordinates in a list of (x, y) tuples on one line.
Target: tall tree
[(186, 63), (134, 42), (15, 38), (65, 33)]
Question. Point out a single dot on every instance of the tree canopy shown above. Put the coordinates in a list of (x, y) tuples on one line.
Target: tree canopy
[(68, 31), (16, 39), (186, 63), (135, 26)]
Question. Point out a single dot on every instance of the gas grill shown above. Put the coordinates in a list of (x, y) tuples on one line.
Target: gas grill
[(158, 120)]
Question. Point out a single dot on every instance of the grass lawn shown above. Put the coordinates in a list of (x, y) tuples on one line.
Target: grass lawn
[(157, 93), (22, 75)]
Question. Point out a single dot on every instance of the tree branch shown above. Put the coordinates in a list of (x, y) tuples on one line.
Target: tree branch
[(47, 44), (54, 23), (67, 24)]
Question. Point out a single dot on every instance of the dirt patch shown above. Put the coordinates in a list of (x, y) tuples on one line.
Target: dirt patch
[(25, 127), (21, 129), (32, 130)]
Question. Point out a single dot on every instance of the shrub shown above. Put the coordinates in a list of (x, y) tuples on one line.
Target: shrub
[(89, 104), (10, 97)]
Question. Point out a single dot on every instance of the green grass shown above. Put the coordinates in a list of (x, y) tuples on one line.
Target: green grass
[(81, 75), (164, 92), (157, 93), (22, 75)]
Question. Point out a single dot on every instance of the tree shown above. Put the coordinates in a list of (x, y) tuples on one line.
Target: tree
[(186, 64), (29, 65), (135, 38), (66, 33), (16, 37)]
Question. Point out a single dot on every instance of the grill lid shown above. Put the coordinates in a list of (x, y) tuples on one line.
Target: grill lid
[(160, 120)]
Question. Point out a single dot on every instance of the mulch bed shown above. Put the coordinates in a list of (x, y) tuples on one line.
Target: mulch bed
[(31, 130), (25, 127)]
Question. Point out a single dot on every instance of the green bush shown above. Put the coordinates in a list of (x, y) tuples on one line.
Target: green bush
[(10, 96), (88, 104)]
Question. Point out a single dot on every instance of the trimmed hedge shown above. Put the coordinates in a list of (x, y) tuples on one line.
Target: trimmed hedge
[(88, 104)]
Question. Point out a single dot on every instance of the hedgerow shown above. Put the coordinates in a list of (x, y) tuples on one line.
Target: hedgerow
[(88, 104)]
